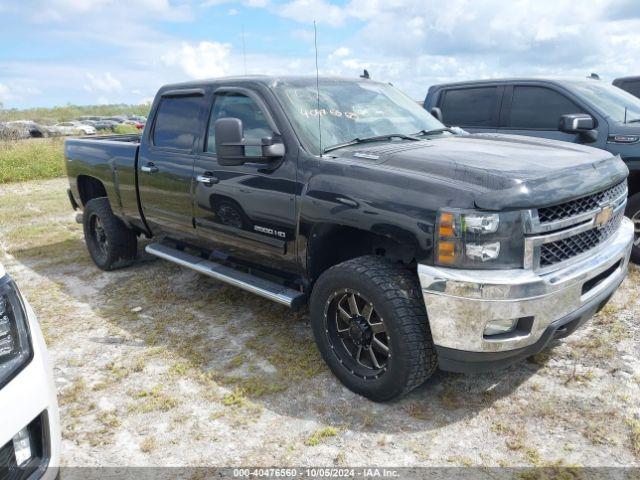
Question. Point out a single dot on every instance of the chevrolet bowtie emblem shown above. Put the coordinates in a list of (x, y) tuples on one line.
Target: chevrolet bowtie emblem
[(604, 216)]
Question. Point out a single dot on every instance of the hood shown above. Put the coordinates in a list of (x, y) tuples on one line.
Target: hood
[(502, 171)]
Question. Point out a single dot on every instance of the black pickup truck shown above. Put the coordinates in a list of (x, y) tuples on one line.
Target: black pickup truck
[(414, 246)]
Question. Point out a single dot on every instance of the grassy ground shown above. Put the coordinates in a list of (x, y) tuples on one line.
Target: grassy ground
[(40, 158), (156, 365), (31, 159)]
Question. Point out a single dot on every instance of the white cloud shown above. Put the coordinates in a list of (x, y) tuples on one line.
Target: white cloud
[(102, 83), (339, 52), (202, 60), (69, 10), (5, 94), (306, 11), (232, 12)]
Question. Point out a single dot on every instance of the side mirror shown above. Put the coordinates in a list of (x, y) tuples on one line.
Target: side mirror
[(576, 123), (437, 113), (229, 141), (231, 144)]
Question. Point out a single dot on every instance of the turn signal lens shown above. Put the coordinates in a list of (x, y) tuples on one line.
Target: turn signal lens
[(446, 224), (447, 252)]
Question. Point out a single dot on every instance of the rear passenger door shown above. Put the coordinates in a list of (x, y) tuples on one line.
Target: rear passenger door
[(166, 160), (535, 110), (476, 109)]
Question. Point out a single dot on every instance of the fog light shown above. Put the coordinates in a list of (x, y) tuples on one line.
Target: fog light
[(496, 327), (22, 447)]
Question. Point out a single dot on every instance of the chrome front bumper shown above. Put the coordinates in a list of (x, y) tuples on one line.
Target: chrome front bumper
[(460, 303)]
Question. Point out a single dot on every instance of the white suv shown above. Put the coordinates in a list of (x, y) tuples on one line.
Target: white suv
[(29, 423)]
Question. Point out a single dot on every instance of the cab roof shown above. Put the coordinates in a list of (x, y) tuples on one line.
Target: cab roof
[(267, 80)]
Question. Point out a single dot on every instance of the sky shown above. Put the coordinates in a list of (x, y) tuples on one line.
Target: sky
[(54, 52)]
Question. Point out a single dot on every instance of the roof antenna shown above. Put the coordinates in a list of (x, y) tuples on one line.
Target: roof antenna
[(244, 51), (315, 42), (365, 74)]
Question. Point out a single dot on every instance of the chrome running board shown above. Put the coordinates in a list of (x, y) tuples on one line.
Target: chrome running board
[(265, 288)]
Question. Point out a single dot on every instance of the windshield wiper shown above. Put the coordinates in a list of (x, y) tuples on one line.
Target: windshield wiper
[(633, 120), (436, 130), (376, 138)]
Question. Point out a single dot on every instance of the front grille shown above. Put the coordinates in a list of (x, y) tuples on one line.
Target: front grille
[(581, 205), (561, 250)]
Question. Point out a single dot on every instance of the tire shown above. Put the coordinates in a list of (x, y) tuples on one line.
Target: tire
[(110, 243), (632, 211), (395, 297)]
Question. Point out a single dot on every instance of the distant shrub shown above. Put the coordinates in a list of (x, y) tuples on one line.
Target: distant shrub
[(125, 129), (53, 115)]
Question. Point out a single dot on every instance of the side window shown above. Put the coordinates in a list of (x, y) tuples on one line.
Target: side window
[(177, 122), (239, 106), (470, 107), (539, 107), (633, 87)]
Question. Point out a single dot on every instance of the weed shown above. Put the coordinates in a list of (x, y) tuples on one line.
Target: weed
[(321, 435)]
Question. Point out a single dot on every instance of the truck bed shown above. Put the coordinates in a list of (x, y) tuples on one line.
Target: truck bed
[(111, 159)]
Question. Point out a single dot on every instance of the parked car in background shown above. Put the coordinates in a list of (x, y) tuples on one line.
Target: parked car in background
[(585, 111), (116, 118), (35, 130), (105, 124), (29, 423), (414, 246), (629, 84), (92, 118), (73, 128), (9, 131)]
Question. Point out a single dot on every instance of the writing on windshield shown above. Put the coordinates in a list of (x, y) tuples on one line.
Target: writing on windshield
[(350, 109)]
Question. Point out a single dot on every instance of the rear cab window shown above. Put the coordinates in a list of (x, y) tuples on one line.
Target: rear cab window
[(632, 86), (536, 107), (470, 107), (177, 122)]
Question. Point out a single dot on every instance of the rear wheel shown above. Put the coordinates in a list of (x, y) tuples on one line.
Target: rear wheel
[(370, 324), (633, 212), (110, 243)]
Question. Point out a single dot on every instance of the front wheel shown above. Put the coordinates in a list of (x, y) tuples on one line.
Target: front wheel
[(633, 212), (370, 324)]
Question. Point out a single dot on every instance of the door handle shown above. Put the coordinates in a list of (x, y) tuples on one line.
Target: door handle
[(207, 179), (149, 168)]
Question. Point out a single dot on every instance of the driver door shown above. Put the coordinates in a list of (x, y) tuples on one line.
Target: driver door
[(246, 211)]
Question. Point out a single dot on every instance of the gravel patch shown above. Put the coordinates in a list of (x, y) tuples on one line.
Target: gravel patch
[(157, 365)]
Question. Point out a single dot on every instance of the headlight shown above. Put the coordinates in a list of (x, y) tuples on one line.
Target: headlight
[(474, 239), (15, 347)]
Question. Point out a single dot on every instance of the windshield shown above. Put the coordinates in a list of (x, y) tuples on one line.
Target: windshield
[(350, 110), (609, 99)]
